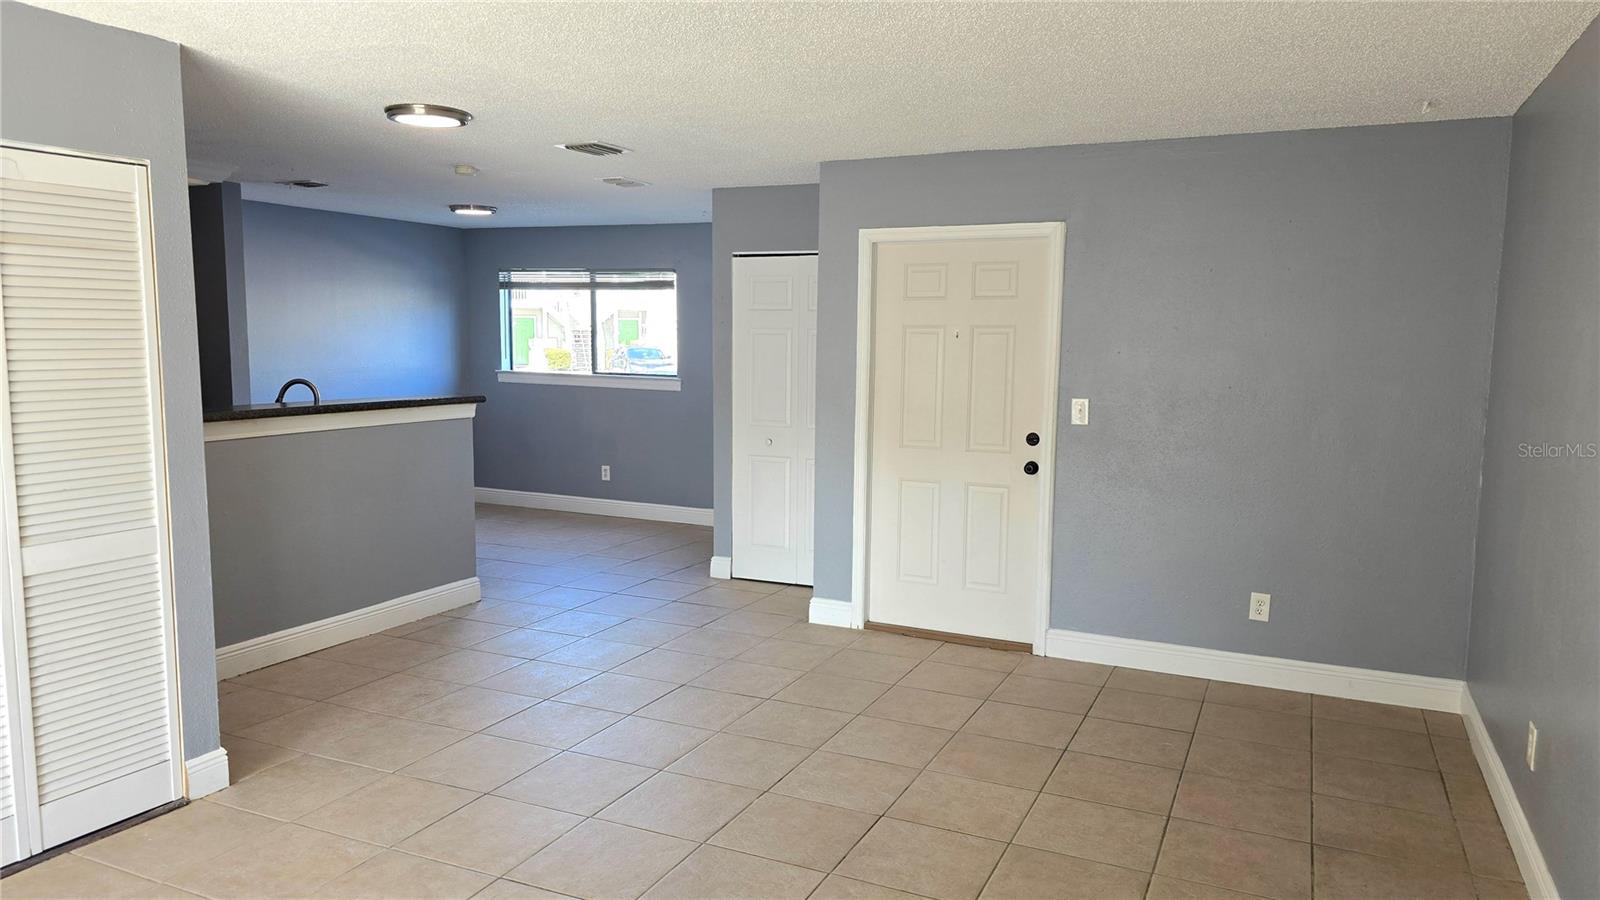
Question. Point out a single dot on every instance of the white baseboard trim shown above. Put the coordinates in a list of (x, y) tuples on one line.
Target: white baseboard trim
[(1535, 873), (721, 567), (1266, 671), (831, 612), (269, 649), (595, 506), (207, 773)]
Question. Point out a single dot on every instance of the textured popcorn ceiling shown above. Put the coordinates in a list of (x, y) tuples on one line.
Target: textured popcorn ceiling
[(720, 94)]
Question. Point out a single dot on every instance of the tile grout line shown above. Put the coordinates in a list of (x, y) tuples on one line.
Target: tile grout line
[(725, 611)]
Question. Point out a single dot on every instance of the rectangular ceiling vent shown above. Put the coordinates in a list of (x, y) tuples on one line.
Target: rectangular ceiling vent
[(595, 148), (620, 181)]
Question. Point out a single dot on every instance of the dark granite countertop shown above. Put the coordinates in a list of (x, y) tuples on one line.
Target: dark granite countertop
[(306, 408)]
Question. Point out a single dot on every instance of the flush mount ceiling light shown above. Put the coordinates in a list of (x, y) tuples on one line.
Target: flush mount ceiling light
[(427, 115), (472, 209)]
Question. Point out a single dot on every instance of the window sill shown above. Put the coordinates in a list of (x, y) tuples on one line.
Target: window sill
[(627, 382)]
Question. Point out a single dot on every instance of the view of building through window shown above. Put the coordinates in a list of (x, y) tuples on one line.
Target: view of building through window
[(590, 322)]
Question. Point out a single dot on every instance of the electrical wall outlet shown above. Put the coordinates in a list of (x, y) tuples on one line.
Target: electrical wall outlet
[(1080, 410), (605, 473), (1533, 747), (1260, 606)]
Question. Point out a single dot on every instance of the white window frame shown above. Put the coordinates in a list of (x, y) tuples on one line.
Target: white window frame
[(506, 375)]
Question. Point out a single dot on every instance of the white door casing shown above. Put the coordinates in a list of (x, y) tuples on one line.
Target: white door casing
[(958, 359), (774, 416), (10, 850), (90, 662)]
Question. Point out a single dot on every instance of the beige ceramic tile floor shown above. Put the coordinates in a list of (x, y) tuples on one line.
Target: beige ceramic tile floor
[(609, 722)]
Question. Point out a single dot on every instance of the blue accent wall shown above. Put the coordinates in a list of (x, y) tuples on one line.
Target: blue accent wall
[(364, 307)]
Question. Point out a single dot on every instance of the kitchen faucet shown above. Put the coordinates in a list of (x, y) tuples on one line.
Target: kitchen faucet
[(316, 397)]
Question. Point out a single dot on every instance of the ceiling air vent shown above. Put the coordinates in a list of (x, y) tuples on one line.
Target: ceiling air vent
[(621, 181), (304, 183), (594, 148)]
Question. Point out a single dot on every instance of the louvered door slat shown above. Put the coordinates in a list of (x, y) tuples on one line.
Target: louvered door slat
[(133, 695), (82, 430)]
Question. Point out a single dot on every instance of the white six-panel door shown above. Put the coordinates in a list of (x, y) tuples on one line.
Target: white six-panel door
[(89, 663), (774, 416), (963, 370)]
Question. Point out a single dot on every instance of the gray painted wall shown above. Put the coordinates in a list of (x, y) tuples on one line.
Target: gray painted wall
[(64, 83), (1535, 650), (1285, 341), (364, 307), (554, 438), (744, 220), (307, 526)]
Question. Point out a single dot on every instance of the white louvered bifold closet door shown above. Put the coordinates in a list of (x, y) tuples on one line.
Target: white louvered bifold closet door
[(89, 648)]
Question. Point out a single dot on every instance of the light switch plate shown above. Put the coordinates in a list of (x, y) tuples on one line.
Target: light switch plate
[(1080, 410)]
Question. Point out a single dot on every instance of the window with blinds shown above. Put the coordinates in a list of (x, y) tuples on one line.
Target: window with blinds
[(589, 322)]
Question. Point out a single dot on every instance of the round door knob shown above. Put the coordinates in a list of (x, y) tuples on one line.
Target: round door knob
[(769, 442), (1030, 467), (1032, 439)]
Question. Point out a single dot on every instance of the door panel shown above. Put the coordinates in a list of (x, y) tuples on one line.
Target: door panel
[(771, 378), (963, 368), (89, 624), (771, 504), (919, 532), (774, 416)]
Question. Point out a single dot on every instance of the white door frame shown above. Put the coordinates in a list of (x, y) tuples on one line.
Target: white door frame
[(1055, 233)]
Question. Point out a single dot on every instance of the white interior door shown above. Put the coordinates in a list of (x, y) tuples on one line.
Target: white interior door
[(91, 669), (774, 416), (964, 355)]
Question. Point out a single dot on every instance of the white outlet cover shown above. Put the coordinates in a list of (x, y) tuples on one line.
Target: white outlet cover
[(1260, 606)]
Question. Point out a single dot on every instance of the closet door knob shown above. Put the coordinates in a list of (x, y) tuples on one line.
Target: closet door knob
[(1030, 467)]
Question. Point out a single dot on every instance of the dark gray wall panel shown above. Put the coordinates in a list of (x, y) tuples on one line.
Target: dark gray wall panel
[(216, 226)]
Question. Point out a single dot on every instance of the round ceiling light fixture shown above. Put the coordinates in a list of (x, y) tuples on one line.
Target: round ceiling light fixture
[(472, 209), (427, 115)]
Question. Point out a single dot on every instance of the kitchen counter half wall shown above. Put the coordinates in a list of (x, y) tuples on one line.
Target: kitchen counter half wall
[(277, 410), (351, 522)]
